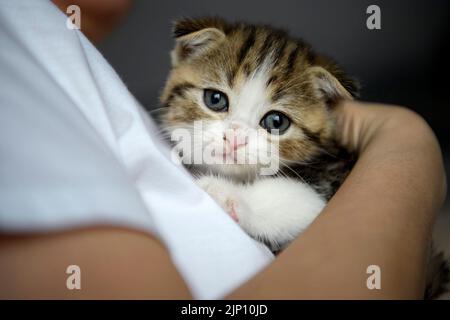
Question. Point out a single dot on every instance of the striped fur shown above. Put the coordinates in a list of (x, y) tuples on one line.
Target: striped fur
[(236, 57)]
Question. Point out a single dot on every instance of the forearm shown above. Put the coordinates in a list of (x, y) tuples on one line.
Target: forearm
[(115, 264), (382, 215)]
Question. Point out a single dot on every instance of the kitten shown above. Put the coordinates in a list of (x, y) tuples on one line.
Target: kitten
[(262, 97), (239, 78)]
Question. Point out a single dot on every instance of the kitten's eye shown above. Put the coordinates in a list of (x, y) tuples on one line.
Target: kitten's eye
[(275, 120), (215, 100)]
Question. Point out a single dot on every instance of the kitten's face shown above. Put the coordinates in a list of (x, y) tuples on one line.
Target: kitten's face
[(260, 97)]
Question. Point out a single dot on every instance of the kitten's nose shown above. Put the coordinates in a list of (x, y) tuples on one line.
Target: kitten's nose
[(235, 136)]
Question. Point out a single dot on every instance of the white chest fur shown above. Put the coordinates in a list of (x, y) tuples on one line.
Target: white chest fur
[(273, 210)]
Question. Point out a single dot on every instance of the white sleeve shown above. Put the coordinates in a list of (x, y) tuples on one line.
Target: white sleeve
[(76, 149), (55, 170)]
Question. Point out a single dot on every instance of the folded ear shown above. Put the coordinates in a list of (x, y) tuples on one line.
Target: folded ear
[(193, 37), (330, 88)]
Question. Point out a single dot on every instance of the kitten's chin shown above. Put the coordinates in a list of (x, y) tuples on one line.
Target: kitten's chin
[(239, 172)]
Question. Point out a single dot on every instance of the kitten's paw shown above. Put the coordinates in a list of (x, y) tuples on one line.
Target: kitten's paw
[(225, 194), (237, 208)]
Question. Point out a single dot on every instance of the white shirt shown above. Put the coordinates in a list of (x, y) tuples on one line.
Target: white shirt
[(77, 150)]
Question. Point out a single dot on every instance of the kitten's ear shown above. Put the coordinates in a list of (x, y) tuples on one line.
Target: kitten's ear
[(332, 88), (194, 37)]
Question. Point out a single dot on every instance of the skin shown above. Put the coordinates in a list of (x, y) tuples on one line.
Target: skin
[(382, 215), (99, 17)]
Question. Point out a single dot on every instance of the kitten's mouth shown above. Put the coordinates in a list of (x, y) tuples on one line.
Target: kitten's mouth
[(230, 156), (237, 163), (225, 158)]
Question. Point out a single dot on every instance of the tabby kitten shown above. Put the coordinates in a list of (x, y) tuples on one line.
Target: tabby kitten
[(239, 78)]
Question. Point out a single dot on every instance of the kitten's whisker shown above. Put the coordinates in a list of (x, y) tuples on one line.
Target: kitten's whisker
[(292, 170)]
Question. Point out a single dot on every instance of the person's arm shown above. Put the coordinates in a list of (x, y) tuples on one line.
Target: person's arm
[(382, 215), (115, 264)]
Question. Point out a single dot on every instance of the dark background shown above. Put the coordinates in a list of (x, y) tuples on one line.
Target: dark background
[(406, 63)]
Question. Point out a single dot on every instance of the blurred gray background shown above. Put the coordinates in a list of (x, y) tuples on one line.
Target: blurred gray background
[(407, 62)]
